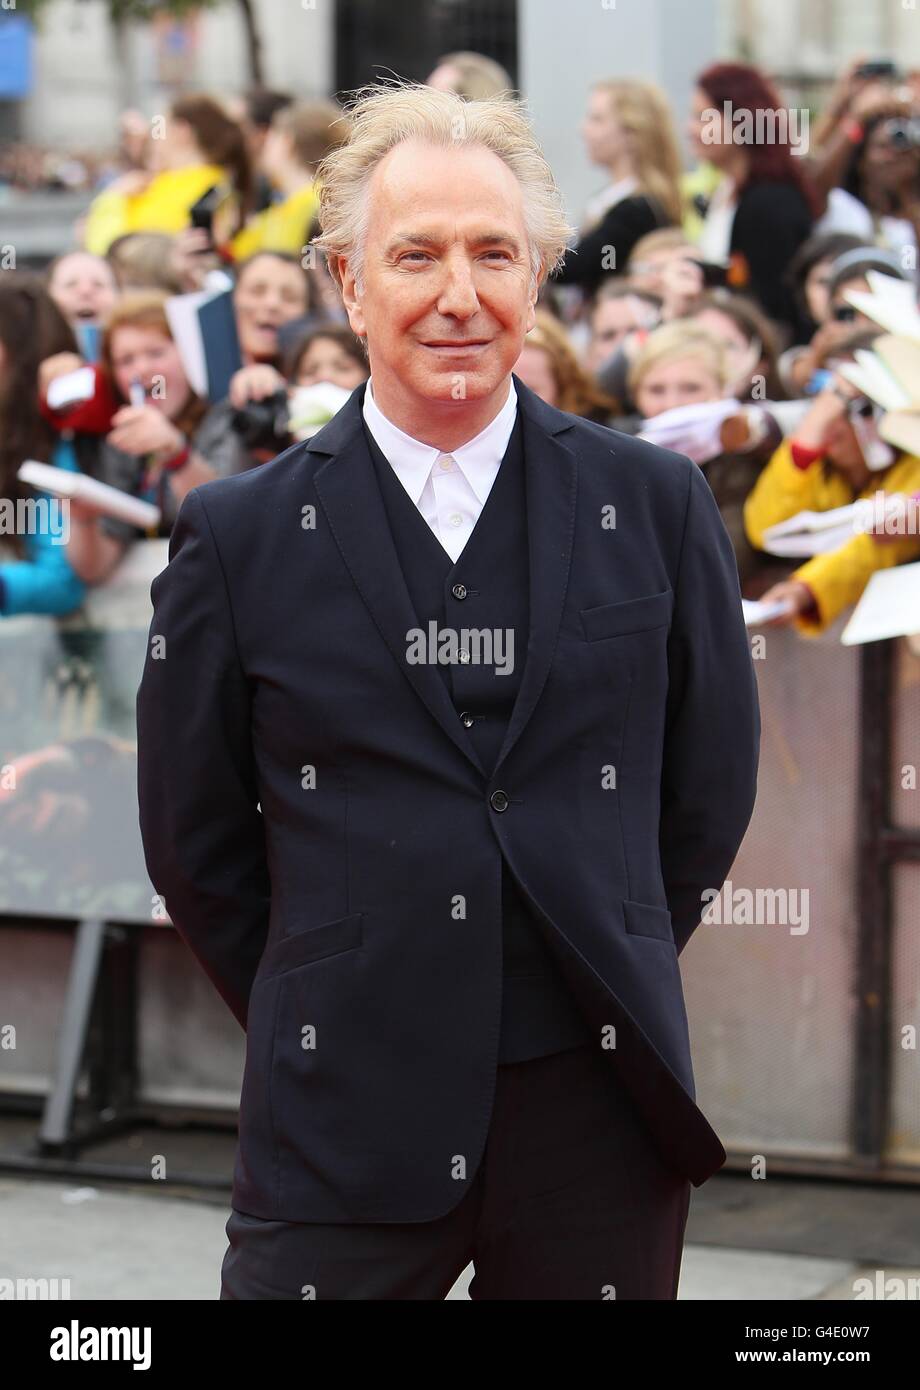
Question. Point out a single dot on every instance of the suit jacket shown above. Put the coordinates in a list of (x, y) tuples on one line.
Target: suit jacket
[(330, 847)]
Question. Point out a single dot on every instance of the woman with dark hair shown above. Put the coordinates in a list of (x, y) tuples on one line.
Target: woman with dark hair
[(201, 149), (809, 277), (809, 273), (850, 272), (866, 149), (276, 301), (763, 209), (884, 174), (35, 574), (329, 352), (272, 291)]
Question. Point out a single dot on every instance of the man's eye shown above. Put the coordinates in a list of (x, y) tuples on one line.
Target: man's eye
[(502, 254), (410, 254)]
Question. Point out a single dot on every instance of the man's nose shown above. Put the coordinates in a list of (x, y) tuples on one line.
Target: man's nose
[(458, 295)]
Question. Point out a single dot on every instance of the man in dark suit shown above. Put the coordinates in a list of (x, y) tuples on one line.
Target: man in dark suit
[(447, 723)]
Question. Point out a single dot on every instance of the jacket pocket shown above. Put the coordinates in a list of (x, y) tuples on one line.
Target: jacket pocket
[(632, 615), (316, 943), (642, 919)]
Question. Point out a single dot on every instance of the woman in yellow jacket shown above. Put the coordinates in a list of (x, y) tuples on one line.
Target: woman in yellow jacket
[(201, 148), (299, 137), (823, 467)]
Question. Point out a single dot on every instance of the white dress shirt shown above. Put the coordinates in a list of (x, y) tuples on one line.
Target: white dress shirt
[(714, 241), (450, 490)]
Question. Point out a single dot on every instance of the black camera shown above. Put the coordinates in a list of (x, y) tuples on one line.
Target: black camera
[(903, 133), (264, 424)]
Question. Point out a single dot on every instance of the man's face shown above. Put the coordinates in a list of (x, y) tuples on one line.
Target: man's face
[(446, 302)]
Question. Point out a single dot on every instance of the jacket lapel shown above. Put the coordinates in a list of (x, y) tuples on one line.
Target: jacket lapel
[(350, 497), (551, 480)]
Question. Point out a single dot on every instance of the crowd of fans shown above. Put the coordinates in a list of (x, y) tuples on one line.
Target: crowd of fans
[(725, 287)]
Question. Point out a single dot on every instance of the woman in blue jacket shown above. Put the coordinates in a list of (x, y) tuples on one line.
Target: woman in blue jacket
[(35, 574)]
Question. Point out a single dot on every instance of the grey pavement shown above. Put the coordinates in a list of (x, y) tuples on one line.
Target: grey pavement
[(115, 1241)]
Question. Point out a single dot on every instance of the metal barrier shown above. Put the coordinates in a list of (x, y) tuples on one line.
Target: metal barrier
[(802, 1042)]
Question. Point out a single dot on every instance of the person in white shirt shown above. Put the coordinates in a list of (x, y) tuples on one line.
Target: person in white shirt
[(449, 489)]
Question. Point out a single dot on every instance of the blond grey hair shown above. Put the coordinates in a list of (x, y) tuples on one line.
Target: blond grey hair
[(383, 115)]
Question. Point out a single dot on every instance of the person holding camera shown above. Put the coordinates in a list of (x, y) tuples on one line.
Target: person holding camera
[(145, 431), (274, 298), (834, 457), (264, 401), (868, 144)]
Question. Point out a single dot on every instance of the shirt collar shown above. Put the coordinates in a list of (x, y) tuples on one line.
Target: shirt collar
[(412, 461)]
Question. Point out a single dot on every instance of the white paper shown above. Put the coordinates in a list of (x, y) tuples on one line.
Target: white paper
[(71, 387), (691, 429), (109, 500), (185, 327), (889, 607), (808, 543), (756, 611), (787, 414), (901, 357), (891, 303), (813, 533), (872, 377), (807, 522)]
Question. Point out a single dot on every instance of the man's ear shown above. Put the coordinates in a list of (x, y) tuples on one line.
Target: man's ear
[(531, 312), (534, 293), (350, 298)]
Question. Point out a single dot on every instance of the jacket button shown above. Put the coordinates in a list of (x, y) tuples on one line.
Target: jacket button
[(459, 591), (499, 801), (466, 718)]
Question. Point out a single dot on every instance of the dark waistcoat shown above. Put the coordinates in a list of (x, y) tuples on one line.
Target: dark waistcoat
[(488, 588)]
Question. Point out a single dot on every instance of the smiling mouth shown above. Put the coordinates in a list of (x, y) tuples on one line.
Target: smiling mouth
[(472, 346)]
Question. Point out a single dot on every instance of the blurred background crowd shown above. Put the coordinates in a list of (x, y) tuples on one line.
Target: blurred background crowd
[(706, 304), (744, 181)]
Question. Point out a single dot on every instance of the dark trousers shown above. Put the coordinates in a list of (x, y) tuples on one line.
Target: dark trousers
[(570, 1201)]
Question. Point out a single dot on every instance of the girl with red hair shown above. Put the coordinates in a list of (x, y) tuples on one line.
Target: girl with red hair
[(763, 208)]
